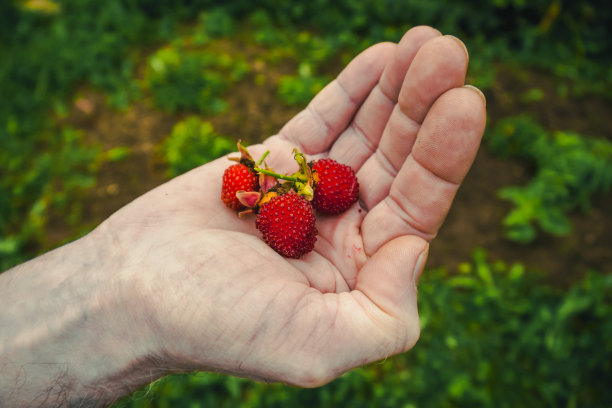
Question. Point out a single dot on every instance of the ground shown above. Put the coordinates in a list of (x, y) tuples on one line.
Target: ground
[(475, 219)]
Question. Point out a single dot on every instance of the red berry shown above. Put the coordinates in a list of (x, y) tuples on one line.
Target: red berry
[(336, 187), (287, 224), (237, 177)]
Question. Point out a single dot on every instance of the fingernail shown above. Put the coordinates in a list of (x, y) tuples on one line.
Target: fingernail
[(478, 91), (467, 54), (420, 265)]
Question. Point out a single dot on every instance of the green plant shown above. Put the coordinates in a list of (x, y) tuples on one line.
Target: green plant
[(183, 79), (570, 168), (58, 168), (217, 23), (300, 89), (44, 54), (493, 335), (192, 143)]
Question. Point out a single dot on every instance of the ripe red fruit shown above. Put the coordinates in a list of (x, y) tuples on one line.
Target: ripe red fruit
[(287, 224), (336, 186), (237, 177)]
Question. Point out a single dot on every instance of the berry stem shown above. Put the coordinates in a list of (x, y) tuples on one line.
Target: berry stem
[(267, 152), (280, 176), (305, 169)]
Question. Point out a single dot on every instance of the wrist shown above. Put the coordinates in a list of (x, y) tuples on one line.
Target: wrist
[(68, 335), (125, 347)]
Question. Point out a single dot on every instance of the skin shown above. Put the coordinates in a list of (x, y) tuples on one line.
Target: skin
[(176, 282)]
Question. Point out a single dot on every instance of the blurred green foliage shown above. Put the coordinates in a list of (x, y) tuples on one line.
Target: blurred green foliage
[(187, 76), (217, 23), (43, 57), (117, 154), (192, 143), (191, 80), (48, 171), (493, 335), (570, 169), (569, 37), (46, 54), (299, 89)]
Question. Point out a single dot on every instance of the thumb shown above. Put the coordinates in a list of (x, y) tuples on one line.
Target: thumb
[(377, 319), (388, 280)]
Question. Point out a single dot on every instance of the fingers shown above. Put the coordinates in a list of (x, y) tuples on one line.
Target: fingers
[(315, 128), (421, 194), (362, 136), (438, 66)]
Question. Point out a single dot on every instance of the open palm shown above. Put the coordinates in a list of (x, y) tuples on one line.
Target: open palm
[(218, 298)]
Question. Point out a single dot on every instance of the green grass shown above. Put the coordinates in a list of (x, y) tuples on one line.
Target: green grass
[(192, 143)]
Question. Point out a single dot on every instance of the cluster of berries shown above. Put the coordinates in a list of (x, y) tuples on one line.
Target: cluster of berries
[(285, 205)]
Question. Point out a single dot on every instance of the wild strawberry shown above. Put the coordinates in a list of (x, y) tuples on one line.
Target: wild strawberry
[(287, 224), (336, 186), (237, 177)]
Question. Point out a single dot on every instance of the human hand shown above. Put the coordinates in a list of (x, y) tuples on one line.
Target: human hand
[(218, 298), (175, 281)]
